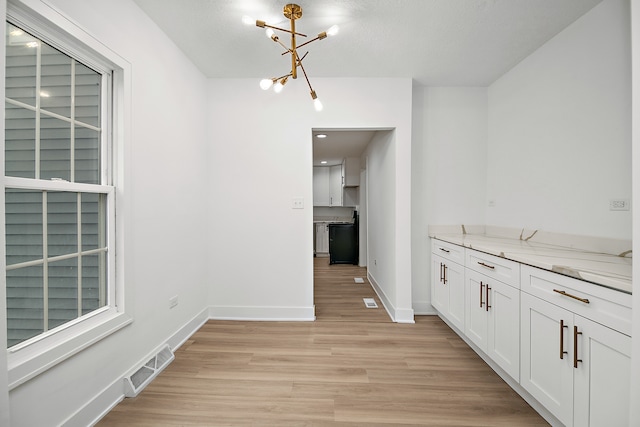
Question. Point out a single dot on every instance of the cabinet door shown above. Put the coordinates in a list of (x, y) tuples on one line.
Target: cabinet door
[(543, 373), (439, 292), (322, 238), (335, 185), (503, 344), (454, 277), (321, 195), (601, 379), (476, 319), (447, 290)]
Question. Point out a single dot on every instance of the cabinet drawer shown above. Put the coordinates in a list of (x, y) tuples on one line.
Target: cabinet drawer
[(448, 251), (501, 269), (598, 303)]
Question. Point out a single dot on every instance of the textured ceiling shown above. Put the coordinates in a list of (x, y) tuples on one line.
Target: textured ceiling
[(435, 42)]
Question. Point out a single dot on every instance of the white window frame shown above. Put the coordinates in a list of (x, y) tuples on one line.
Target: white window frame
[(34, 356)]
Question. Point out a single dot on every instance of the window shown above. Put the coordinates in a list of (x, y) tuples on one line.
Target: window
[(57, 192), (67, 120)]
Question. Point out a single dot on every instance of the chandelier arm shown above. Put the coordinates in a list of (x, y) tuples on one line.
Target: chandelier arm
[(277, 40), (286, 31), (312, 40), (304, 71)]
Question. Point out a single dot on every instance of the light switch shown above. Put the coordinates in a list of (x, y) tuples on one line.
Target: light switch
[(297, 203)]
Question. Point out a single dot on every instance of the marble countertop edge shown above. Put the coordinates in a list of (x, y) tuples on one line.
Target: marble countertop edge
[(610, 269)]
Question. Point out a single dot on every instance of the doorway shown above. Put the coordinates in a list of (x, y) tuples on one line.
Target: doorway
[(339, 162)]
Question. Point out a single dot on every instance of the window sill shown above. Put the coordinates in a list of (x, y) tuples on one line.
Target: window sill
[(30, 361)]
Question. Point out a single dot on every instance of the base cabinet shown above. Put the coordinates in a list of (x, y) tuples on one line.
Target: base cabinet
[(492, 320), (578, 369), (447, 290), (564, 341), (322, 239)]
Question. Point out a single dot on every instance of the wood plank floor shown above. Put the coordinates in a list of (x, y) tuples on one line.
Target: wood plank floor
[(352, 367)]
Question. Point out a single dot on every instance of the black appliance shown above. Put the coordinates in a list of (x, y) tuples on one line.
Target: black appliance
[(343, 242)]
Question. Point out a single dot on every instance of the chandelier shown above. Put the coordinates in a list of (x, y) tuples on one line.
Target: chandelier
[(291, 12)]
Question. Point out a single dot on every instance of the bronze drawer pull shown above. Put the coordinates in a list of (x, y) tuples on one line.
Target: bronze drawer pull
[(562, 326), (444, 250), (584, 300), (486, 265)]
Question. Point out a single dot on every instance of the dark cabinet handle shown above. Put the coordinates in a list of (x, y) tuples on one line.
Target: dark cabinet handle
[(575, 347), (481, 289), (486, 265), (562, 326), (584, 300), (444, 250), (487, 306)]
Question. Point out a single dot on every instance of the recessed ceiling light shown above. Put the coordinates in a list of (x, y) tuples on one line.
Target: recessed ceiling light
[(324, 162), (321, 135)]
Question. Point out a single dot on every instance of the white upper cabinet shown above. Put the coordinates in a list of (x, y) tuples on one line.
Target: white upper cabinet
[(335, 185), (351, 171), (321, 194)]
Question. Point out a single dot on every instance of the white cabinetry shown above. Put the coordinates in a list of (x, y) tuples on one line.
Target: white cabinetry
[(335, 185), (321, 193), (322, 239), (565, 342), (493, 319), (576, 367), (447, 286), (351, 171)]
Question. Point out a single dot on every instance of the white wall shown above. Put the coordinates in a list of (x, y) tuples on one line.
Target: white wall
[(448, 170), (559, 131), (634, 418), (165, 214), (261, 263), (381, 251)]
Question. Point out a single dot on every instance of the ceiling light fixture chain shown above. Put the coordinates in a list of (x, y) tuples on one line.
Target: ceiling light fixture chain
[(292, 12)]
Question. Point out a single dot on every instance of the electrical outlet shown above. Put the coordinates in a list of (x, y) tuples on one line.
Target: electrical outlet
[(297, 203), (173, 301), (619, 204)]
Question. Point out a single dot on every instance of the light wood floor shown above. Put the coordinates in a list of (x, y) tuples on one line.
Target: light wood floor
[(352, 367)]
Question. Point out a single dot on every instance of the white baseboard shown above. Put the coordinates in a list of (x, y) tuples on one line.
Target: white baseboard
[(398, 315), (272, 314), (423, 308), (107, 399)]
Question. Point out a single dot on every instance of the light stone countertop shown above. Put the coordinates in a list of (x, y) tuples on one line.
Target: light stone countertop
[(602, 261)]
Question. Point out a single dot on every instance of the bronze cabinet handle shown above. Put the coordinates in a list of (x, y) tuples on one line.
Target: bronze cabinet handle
[(562, 326), (487, 306), (441, 264), (486, 265), (445, 273), (481, 289), (584, 300), (575, 347), (444, 250)]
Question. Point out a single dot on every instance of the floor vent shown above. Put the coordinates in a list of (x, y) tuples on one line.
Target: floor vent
[(358, 279), (370, 303), (134, 383)]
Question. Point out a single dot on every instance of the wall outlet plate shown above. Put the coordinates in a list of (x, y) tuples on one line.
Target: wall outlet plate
[(297, 203), (619, 205)]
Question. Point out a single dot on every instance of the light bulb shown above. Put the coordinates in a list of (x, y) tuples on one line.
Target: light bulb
[(270, 33), (277, 88), (265, 84), (247, 20), (317, 104), (333, 30)]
